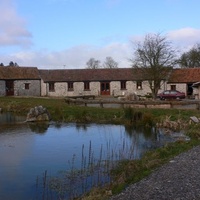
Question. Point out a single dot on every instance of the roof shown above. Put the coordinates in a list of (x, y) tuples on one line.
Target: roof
[(186, 75), (196, 84), (17, 73), (76, 75)]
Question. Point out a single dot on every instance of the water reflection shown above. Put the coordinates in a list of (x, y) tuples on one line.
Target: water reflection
[(10, 118), (147, 131), (29, 149), (39, 127)]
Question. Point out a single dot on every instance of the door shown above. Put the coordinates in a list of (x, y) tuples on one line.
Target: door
[(105, 88), (9, 88)]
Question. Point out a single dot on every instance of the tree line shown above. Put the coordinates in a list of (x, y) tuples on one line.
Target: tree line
[(188, 59), (155, 57), (11, 64), (109, 62)]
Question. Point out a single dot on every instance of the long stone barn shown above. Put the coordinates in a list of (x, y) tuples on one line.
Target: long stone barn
[(74, 82), (31, 81)]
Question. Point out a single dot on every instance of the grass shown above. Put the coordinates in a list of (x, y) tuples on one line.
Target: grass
[(132, 171), (61, 111)]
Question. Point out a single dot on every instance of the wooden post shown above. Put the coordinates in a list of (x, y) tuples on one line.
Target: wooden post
[(198, 106)]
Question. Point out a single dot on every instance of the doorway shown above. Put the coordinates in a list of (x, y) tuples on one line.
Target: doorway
[(9, 88), (105, 88), (189, 90)]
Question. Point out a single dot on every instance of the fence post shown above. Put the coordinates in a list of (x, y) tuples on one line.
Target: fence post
[(198, 106)]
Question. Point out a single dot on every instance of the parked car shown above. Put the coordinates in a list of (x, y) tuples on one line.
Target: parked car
[(171, 94)]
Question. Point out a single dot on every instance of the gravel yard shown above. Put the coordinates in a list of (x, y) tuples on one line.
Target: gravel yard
[(177, 180)]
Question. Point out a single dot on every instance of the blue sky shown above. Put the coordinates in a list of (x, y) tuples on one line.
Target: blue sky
[(67, 33)]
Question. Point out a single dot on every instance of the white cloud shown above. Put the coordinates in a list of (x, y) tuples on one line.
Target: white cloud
[(185, 38), (182, 39), (13, 30), (75, 57)]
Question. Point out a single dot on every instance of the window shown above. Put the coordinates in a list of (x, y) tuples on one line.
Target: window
[(166, 92), (173, 87), (173, 92), (70, 86), (123, 85), (86, 85), (139, 85), (51, 87), (26, 86)]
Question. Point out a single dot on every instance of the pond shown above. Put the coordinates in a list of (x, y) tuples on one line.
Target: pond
[(30, 153)]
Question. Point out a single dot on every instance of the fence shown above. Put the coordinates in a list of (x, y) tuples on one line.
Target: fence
[(185, 104)]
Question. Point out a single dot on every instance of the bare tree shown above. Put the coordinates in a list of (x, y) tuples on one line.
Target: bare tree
[(154, 58), (11, 64), (93, 64), (110, 63), (191, 58)]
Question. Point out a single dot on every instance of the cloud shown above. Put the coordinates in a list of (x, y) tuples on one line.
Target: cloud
[(185, 37), (182, 39), (13, 30), (75, 57)]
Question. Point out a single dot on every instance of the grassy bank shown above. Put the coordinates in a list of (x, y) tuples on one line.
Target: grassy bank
[(60, 111), (127, 172), (131, 171)]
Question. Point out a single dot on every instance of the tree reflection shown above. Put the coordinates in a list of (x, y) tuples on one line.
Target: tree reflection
[(147, 132), (82, 126), (39, 127)]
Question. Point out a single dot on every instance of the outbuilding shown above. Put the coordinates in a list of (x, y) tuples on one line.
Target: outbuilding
[(19, 81)]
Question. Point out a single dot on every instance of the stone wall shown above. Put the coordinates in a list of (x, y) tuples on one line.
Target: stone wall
[(2, 88), (61, 89), (182, 87), (34, 88)]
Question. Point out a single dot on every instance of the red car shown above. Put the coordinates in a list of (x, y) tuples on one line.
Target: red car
[(171, 94)]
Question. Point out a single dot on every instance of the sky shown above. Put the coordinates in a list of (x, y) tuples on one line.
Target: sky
[(65, 34)]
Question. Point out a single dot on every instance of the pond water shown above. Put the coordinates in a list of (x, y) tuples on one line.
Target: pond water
[(28, 151)]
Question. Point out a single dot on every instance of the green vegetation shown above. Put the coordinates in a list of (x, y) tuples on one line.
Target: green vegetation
[(131, 171), (127, 171), (61, 111)]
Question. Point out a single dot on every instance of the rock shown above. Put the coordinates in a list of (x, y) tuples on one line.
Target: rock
[(194, 119), (39, 113)]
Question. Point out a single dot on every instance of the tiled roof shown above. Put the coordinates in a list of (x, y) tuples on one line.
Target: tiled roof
[(17, 73), (117, 74), (186, 75)]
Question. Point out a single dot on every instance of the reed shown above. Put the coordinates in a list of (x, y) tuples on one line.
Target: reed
[(93, 172)]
